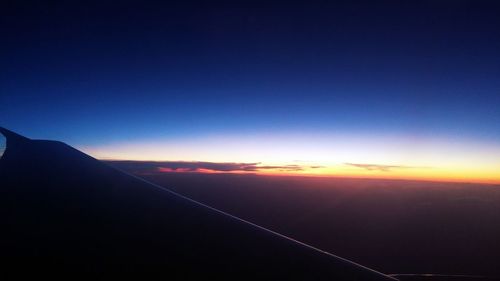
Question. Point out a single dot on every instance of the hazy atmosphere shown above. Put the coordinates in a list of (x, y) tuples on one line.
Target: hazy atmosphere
[(354, 88)]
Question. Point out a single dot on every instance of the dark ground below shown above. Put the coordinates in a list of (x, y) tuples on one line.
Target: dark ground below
[(390, 225)]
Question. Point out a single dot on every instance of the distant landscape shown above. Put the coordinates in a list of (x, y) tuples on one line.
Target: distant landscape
[(394, 226)]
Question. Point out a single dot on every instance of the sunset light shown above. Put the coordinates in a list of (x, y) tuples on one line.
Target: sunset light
[(323, 155), (250, 140)]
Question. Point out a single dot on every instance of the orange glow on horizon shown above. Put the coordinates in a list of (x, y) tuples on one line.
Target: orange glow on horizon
[(383, 157), (344, 173)]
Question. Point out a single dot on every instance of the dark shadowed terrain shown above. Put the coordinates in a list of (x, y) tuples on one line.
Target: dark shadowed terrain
[(390, 225)]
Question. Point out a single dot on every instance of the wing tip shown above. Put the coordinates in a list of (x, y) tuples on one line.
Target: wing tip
[(12, 137)]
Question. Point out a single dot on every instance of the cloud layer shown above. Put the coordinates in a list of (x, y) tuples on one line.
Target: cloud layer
[(197, 166), (378, 167)]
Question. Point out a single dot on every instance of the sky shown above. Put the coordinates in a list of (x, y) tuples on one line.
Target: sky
[(393, 89)]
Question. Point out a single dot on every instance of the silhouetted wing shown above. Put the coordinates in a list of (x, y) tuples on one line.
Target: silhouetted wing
[(64, 212)]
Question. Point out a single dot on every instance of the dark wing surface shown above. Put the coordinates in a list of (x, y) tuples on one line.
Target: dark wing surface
[(66, 214)]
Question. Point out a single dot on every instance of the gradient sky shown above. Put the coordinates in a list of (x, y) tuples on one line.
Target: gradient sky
[(412, 86)]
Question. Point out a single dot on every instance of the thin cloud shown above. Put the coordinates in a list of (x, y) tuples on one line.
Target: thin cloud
[(379, 167)]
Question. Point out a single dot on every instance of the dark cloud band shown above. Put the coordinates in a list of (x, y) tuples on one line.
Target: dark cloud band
[(196, 166)]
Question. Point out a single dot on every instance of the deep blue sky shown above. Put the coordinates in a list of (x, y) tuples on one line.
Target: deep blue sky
[(95, 73)]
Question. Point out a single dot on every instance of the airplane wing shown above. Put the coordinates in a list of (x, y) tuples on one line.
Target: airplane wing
[(66, 214)]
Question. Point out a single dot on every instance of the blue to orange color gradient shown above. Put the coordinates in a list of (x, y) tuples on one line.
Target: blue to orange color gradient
[(405, 89), (424, 158)]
